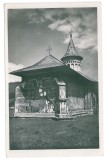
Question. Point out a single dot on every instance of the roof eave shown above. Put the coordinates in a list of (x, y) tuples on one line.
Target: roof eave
[(21, 72), (72, 56)]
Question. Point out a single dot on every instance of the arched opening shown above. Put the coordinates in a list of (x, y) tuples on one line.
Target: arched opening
[(90, 101), (68, 64)]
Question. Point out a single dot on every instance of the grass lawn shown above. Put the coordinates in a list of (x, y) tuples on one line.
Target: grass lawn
[(43, 133)]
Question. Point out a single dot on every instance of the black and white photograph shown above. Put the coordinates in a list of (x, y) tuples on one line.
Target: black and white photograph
[(53, 78)]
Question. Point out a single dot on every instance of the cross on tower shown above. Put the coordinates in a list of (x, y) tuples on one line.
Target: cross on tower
[(71, 33), (49, 49)]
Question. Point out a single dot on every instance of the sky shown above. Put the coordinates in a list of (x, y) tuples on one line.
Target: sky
[(31, 31)]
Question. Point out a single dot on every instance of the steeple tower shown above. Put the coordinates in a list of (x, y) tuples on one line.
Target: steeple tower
[(71, 57)]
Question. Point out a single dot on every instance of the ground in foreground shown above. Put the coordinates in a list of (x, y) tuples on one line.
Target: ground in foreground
[(43, 133)]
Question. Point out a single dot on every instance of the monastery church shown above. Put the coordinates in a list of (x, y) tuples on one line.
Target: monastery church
[(54, 88)]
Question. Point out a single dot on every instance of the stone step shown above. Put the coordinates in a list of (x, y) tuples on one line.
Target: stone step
[(82, 112), (34, 115)]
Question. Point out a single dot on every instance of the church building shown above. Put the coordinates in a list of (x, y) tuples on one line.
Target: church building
[(56, 88)]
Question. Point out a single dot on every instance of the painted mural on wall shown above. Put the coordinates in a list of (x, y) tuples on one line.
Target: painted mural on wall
[(40, 96), (35, 96), (62, 92)]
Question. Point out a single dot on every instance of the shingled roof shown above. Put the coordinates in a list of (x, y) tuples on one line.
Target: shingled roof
[(46, 62), (71, 50), (49, 62)]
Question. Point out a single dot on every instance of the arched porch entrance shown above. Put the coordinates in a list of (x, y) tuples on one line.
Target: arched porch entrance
[(90, 101)]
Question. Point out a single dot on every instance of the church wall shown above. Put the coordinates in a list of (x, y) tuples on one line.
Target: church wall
[(37, 105), (75, 89), (40, 87), (75, 95), (30, 95), (81, 96), (75, 103), (21, 103)]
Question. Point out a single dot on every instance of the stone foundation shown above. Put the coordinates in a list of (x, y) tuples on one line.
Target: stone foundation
[(50, 115)]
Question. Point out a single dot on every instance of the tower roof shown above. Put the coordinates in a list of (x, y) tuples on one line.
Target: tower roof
[(71, 50)]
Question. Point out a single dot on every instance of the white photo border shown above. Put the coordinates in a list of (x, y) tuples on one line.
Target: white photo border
[(55, 152)]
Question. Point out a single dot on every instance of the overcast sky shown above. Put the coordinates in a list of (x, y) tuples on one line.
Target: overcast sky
[(31, 31)]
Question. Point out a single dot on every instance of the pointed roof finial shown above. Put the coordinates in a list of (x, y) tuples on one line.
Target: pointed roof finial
[(70, 33), (49, 50), (71, 50)]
